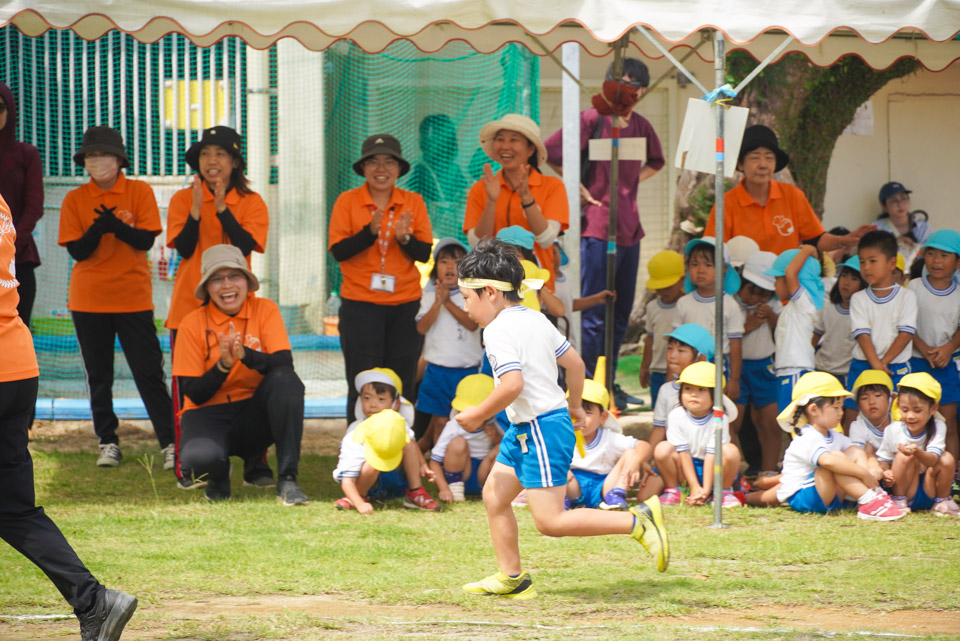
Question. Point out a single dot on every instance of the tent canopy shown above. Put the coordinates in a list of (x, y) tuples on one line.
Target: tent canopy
[(824, 29)]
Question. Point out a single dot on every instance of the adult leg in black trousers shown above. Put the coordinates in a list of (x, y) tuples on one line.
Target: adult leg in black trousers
[(27, 290), (95, 334), (138, 339), (402, 344), (363, 328)]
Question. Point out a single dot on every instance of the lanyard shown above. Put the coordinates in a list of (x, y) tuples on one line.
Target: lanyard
[(383, 238)]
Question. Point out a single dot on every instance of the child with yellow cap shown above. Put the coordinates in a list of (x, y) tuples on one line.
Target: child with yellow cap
[(872, 391), (666, 281), (820, 466), (912, 453)]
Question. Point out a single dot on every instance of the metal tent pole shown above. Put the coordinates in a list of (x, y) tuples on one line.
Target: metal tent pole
[(609, 319)]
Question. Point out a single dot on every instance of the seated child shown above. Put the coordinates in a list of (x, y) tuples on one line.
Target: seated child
[(690, 445), (821, 467), (379, 390), (461, 459), (612, 461), (666, 280), (912, 451), (872, 391)]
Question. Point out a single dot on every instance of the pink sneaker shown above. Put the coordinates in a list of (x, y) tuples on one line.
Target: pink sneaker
[(729, 499), (946, 507), (671, 496), (881, 508)]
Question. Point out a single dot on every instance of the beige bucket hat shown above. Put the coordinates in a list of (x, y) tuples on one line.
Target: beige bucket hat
[(513, 122), (218, 257)]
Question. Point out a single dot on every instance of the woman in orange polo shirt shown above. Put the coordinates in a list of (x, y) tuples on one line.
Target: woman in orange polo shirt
[(107, 226), (377, 231), (518, 194), (22, 524), (235, 368)]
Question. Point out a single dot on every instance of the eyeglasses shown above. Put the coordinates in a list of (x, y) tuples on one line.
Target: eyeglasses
[(389, 163), (235, 277)]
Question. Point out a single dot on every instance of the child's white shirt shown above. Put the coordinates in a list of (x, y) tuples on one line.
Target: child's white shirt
[(836, 342), (882, 318), (694, 308), (602, 452), (562, 289), (897, 433), (758, 344), (659, 321), (668, 398), (695, 435), (863, 433), (351, 456), (478, 443), (800, 460), (447, 343), (938, 312), (794, 335), (520, 339)]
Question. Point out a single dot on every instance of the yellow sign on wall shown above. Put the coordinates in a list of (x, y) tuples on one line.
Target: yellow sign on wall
[(196, 104)]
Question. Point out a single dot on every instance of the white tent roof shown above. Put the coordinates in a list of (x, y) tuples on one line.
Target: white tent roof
[(824, 29)]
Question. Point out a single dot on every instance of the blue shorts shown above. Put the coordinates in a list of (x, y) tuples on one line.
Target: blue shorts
[(920, 500), (698, 468), (948, 377), (858, 367), (389, 485), (591, 488), (471, 486), (657, 379), (549, 440), (439, 386), (758, 383), (807, 499), (785, 391)]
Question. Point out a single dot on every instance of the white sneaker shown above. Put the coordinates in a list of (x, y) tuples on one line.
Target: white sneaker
[(520, 500), (110, 455), (169, 457), (457, 490), (946, 507)]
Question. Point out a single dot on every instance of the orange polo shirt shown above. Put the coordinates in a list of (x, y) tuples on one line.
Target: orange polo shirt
[(19, 361), (249, 210), (549, 193), (352, 212), (782, 224), (116, 277), (198, 346)]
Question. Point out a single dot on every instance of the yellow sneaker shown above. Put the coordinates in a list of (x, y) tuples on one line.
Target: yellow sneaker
[(651, 532), (500, 584)]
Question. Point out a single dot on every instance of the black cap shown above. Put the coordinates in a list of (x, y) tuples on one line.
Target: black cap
[(892, 189), (105, 139), (224, 137)]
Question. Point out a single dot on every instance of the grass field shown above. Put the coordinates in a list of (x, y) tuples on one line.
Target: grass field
[(251, 569)]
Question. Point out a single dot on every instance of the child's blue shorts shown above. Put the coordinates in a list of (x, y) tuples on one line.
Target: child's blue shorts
[(785, 391), (657, 379), (858, 367), (439, 386), (389, 485), (920, 500), (758, 383), (591, 488), (807, 499), (471, 486), (948, 377), (550, 440)]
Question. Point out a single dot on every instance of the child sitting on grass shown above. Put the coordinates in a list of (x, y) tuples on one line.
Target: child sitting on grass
[(690, 445), (666, 280), (461, 459), (821, 467), (872, 391)]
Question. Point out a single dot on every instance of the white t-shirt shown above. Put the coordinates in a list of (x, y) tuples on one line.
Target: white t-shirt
[(938, 312), (882, 318), (668, 398), (836, 342), (694, 308), (563, 291), (524, 340), (695, 435), (448, 343), (758, 344), (794, 335), (478, 443), (603, 452), (659, 321), (897, 433), (862, 433), (800, 459), (351, 457)]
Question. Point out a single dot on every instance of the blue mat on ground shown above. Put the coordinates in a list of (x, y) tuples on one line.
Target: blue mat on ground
[(73, 409)]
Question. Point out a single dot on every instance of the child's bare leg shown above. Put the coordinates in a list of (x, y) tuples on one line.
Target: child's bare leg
[(731, 464), (766, 498), (826, 483), (856, 454), (501, 487), (546, 506), (849, 416), (432, 433), (653, 487), (848, 485), (769, 434), (457, 458), (368, 476), (411, 465), (483, 470), (574, 491), (939, 478), (735, 424), (906, 475), (767, 482), (949, 412)]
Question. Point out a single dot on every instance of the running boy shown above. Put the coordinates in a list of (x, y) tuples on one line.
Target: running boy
[(524, 350), (666, 280)]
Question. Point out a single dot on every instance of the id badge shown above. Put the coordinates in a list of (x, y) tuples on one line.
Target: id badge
[(383, 283)]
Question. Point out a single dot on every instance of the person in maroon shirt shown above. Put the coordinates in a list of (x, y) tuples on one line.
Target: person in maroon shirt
[(595, 201)]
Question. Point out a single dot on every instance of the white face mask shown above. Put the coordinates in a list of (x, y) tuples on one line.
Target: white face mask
[(102, 169)]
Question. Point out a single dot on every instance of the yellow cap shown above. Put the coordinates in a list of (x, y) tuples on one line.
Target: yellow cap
[(701, 374), (383, 436), (811, 385), (383, 375), (594, 392), (530, 270), (922, 382), (872, 377), (901, 263), (666, 268), (471, 391)]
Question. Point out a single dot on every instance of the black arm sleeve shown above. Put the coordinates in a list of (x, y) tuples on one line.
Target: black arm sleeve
[(350, 247), (239, 236), (186, 240), (811, 241), (136, 238), (81, 248), (417, 249), (263, 363), (201, 389)]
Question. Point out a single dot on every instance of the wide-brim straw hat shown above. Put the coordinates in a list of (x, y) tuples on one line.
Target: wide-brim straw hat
[(220, 257), (513, 122)]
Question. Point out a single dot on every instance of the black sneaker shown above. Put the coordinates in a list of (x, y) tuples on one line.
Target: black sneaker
[(107, 618), (187, 483), (218, 489), (260, 481), (621, 399), (289, 493)]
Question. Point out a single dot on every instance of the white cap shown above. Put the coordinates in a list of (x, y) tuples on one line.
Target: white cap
[(755, 266), (741, 248)]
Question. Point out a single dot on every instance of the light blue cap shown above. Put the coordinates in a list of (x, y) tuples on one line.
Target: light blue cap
[(517, 235), (696, 336), (731, 279), (947, 240), (809, 275), (853, 263)]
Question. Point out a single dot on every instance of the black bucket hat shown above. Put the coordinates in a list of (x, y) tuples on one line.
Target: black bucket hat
[(757, 136), (105, 139), (224, 137), (381, 144)]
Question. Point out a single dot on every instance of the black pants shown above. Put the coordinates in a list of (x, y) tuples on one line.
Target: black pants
[(274, 414), (27, 290), (24, 525), (374, 335), (138, 339)]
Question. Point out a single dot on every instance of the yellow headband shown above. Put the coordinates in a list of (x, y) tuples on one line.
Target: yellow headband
[(479, 283)]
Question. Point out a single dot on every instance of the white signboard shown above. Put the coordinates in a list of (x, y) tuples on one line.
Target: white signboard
[(697, 148), (630, 149)]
